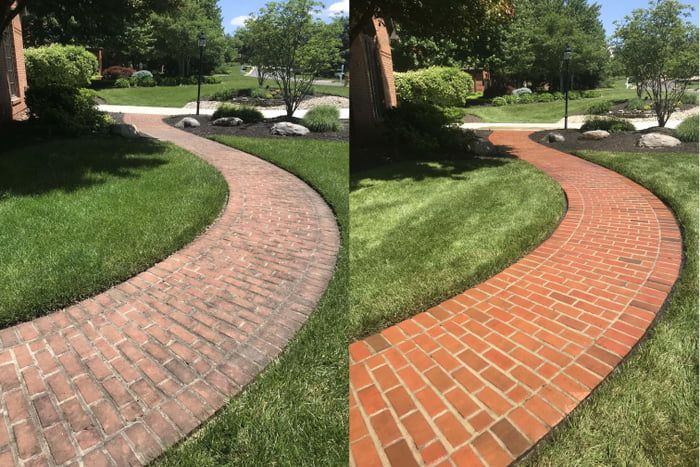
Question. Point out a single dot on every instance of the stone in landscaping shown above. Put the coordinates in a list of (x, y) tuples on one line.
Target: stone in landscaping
[(520, 91), (657, 140), (554, 138), (187, 122), (125, 130), (595, 134), (289, 129), (227, 121), (480, 147)]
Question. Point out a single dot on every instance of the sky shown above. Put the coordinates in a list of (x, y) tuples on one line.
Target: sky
[(615, 10), (236, 11)]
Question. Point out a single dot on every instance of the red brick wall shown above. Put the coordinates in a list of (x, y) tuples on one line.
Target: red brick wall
[(13, 107)]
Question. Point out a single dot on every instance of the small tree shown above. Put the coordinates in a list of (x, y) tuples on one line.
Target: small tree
[(250, 48), (659, 50), (293, 47)]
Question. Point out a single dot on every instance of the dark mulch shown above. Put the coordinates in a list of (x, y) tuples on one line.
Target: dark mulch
[(255, 130), (620, 142)]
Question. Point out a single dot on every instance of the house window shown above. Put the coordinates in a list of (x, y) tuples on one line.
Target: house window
[(8, 52)]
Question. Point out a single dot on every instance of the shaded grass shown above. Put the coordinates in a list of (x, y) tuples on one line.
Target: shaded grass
[(178, 96), (80, 215), (422, 232), (646, 413), (295, 413), (549, 112)]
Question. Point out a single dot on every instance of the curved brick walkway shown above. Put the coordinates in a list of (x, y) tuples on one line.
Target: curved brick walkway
[(480, 378), (118, 378)]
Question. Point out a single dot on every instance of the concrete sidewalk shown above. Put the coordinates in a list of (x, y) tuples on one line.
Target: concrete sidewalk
[(165, 111)]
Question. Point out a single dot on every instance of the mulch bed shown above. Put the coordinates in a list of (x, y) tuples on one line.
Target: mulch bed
[(616, 142), (256, 130)]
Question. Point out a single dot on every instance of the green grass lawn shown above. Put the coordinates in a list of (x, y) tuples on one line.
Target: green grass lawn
[(422, 232), (295, 413), (178, 96), (646, 414), (80, 215), (548, 112)]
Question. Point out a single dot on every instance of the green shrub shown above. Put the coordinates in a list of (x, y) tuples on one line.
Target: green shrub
[(636, 104), (224, 95), (544, 97), (454, 114), (246, 113), (688, 129), (261, 93), (511, 99), (574, 95), (122, 83), (499, 101), (141, 74), (146, 82), (421, 130), (69, 110), (526, 98), (168, 81), (610, 124), (211, 80), (322, 118), (599, 108), (558, 96), (443, 86), (690, 98), (59, 65)]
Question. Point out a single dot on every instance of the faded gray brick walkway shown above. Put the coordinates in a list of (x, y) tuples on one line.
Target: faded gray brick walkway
[(118, 378)]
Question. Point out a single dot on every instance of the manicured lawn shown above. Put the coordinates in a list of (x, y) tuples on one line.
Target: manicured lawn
[(422, 232), (647, 412), (295, 413), (178, 96), (548, 112), (80, 215)]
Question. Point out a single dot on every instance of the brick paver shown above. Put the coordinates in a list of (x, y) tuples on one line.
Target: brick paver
[(482, 377), (118, 378)]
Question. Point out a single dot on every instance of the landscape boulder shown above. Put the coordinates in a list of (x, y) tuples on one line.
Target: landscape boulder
[(125, 130), (554, 138), (657, 140), (289, 129), (480, 147), (227, 121), (187, 122), (595, 134)]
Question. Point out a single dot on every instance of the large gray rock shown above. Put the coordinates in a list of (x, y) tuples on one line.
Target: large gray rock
[(595, 134), (480, 147), (657, 140), (289, 129), (125, 130), (187, 122), (554, 138), (227, 121)]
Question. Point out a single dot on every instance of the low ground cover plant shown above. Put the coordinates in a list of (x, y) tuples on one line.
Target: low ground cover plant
[(445, 86), (246, 113), (609, 124), (688, 129), (529, 98), (322, 118), (600, 108), (637, 104)]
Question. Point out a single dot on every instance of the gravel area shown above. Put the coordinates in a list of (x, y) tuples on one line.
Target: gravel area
[(256, 130), (620, 142)]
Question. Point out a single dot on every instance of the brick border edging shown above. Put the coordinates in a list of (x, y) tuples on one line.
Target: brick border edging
[(644, 247), (118, 378)]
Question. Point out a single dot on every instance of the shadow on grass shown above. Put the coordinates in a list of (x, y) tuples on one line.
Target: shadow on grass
[(35, 166)]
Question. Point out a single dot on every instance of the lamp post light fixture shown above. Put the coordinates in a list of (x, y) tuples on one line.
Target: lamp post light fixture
[(567, 61), (201, 42)]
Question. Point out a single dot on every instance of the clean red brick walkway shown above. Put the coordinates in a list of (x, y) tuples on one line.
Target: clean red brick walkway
[(480, 378), (118, 378)]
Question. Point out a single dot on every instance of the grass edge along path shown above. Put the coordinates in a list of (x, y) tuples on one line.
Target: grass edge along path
[(295, 412), (80, 215), (646, 412), (437, 226)]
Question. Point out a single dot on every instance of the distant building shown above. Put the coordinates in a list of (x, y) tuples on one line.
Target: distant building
[(13, 77), (372, 88)]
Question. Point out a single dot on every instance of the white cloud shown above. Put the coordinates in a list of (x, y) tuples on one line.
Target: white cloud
[(339, 8), (239, 21)]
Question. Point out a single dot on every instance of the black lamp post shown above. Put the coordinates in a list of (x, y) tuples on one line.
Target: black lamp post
[(201, 42), (567, 61)]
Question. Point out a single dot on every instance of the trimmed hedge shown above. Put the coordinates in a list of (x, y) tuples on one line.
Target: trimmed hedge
[(688, 129), (322, 118), (609, 124), (444, 86), (246, 113), (59, 65), (69, 110)]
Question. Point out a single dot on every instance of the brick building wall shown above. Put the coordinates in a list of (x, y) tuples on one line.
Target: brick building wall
[(13, 76), (372, 87)]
